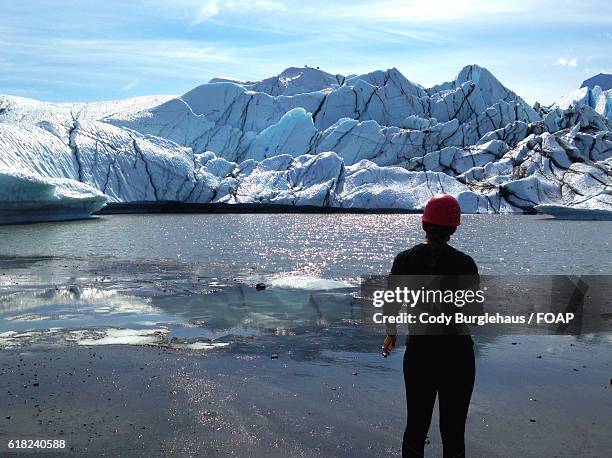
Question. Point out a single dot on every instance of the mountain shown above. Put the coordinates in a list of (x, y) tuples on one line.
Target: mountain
[(603, 80), (307, 137), (598, 99), (292, 81)]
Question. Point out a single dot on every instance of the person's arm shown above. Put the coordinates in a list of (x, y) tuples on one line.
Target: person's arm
[(391, 309), (472, 282)]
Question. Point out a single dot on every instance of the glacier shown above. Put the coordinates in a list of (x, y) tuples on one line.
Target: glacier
[(596, 98), (307, 137), (30, 198)]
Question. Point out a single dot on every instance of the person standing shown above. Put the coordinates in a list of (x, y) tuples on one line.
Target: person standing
[(442, 363)]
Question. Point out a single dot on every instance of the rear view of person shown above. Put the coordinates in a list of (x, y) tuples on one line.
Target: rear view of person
[(436, 365)]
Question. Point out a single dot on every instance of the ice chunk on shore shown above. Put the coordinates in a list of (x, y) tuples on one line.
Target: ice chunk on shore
[(26, 197), (199, 345), (308, 283), (124, 337), (575, 213)]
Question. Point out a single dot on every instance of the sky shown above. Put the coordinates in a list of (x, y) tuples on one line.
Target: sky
[(75, 50)]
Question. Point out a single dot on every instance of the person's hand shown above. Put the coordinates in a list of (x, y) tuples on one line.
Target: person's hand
[(388, 344)]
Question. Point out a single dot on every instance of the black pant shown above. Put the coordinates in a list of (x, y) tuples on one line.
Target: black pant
[(449, 373)]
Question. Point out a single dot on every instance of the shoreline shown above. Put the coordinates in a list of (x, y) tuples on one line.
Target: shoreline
[(115, 208), (150, 401), (177, 207)]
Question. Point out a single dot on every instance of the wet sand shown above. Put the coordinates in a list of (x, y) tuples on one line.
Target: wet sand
[(149, 401)]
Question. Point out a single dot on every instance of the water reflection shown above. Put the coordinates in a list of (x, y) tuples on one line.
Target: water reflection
[(331, 246)]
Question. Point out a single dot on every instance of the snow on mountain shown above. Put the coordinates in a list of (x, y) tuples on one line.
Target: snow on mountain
[(489, 87), (291, 81), (38, 179), (225, 117), (306, 137), (124, 165), (15, 109), (596, 98), (103, 109), (21, 109)]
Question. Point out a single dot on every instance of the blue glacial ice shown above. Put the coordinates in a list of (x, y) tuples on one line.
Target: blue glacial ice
[(26, 198), (307, 137)]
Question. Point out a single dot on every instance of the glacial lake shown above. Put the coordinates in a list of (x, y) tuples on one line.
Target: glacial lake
[(188, 281), (321, 245)]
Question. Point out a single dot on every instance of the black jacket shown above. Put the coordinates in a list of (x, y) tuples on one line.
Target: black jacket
[(419, 260), (439, 260)]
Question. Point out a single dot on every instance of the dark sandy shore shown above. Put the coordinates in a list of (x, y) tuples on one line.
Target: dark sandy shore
[(148, 401)]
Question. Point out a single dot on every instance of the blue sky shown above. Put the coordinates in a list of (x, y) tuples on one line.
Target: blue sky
[(97, 50)]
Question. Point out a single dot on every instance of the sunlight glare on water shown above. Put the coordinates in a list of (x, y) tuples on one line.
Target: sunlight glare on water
[(321, 245)]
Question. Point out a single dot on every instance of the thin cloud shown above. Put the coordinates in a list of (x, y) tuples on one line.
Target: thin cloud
[(210, 9), (387, 11), (206, 11), (567, 63), (169, 52), (131, 85), (382, 11), (432, 10)]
